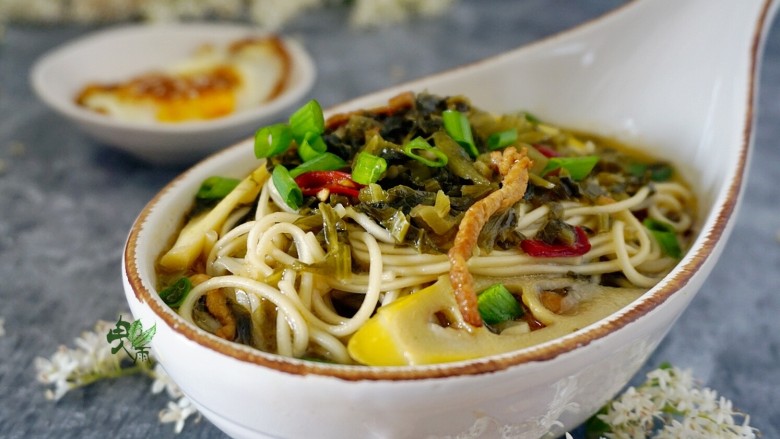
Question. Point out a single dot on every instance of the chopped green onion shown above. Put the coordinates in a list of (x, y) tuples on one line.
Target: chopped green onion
[(418, 143), (531, 118), (665, 235), (287, 187), (658, 171), (368, 168), (216, 187), (272, 140), (497, 305), (307, 119), (577, 167), (661, 172), (175, 294), (311, 146), (326, 161), (637, 169), (502, 139), (458, 127)]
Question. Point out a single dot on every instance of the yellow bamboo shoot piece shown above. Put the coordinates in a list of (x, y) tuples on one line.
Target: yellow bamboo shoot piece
[(409, 331), (190, 242)]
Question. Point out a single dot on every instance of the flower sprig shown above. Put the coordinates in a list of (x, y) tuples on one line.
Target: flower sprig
[(92, 360), (670, 404)]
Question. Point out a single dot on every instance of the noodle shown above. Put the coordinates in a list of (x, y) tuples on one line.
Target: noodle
[(281, 265)]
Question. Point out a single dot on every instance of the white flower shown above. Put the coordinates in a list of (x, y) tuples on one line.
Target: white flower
[(178, 412), (375, 13), (273, 14), (370, 13), (431, 7), (670, 405), (269, 14), (163, 381), (90, 361), (95, 352), (46, 11), (92, 11), (57, 371), (189, 9)]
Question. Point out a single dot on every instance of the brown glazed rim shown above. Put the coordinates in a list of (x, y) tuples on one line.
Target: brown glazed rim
[(678, 279)]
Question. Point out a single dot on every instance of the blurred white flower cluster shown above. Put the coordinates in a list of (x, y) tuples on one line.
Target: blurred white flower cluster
[(180, 408), (92, 359), (671, 405), (269, 14)]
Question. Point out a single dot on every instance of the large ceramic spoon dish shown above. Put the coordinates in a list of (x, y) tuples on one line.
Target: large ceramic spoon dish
[(678, 77)]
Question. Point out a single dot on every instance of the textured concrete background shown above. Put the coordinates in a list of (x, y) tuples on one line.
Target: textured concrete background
[(66, 204)]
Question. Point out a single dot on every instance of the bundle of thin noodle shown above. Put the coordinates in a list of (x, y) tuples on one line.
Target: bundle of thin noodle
[(424, 231)]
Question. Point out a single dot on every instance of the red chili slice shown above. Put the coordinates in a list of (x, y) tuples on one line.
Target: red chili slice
[(540, 249), (546, 151), (336, 182)]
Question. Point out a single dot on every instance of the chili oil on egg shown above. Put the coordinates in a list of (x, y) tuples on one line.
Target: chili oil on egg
[(212, 83)]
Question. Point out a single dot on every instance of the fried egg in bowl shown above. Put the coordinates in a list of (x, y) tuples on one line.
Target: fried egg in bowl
[(173, 93), (214, 82)]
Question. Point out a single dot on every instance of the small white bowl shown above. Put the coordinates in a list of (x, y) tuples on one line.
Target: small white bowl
[(120, 53)]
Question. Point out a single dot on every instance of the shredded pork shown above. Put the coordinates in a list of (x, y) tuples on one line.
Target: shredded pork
[(513, 166), (217, 304)]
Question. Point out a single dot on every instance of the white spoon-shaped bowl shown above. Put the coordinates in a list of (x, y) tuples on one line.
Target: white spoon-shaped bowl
[(675, 76)]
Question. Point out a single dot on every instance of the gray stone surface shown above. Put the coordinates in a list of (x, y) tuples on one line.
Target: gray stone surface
[(66, 204)]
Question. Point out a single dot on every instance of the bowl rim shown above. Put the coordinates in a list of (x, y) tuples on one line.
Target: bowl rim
[(709, 237), (303, 68)]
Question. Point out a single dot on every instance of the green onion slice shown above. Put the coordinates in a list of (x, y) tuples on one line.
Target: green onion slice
[(175, 294), (497, 305), (531, 118), (287, 187), (665, 235), (661, 172), (457, 125), (272, 140), (502, 139), (214, 188), (368, 168), (307, 119), (311, 146), (577, 167), (327, 161), (657, 171), (433, 157)]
